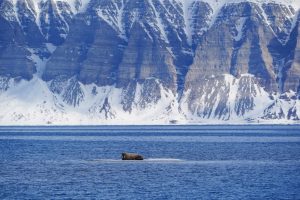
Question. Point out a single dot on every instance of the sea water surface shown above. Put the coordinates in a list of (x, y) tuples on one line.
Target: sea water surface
[(182, 162)]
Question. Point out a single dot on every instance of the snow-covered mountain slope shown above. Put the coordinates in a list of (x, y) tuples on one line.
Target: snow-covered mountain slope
[(33, 103), (151, 61)]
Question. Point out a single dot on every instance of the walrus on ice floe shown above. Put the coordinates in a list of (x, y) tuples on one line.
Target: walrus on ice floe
[(131, 156)]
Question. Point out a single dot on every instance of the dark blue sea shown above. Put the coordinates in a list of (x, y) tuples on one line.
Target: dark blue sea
[(181, 162)]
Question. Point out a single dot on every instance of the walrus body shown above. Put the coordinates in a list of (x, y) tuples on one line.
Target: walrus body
[(131, 156)]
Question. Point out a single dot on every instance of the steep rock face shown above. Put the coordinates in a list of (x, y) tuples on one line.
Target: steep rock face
[(113, 48), (47, 19), (54, 19), (283, 21), (28, 28), (14, 59), (165, 21), (241, 42), (103, 57), (291, 71), (21, 66), (26, 19), (91, 47), (145, 57), (170, 60), (236, 44)]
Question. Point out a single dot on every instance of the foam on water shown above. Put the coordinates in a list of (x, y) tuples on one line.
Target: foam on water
[(164, 160)]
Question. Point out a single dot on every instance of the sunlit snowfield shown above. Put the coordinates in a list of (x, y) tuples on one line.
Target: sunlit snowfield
[(182, 162)]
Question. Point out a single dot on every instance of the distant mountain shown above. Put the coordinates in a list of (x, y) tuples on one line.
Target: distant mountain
[(149, 61)]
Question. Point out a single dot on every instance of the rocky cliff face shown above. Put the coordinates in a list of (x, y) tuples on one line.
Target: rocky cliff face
[(149, 61)]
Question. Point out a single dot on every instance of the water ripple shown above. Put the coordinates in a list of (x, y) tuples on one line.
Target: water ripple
[(216, 139)]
